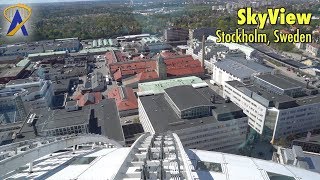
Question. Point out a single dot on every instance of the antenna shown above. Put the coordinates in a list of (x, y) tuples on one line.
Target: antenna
[(203, 51)]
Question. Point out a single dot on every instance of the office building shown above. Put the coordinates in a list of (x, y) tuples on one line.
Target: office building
[(200, 32), (176, 36), (236, 68), (33, 89), (201, 118), (101, 118), (277, 106)]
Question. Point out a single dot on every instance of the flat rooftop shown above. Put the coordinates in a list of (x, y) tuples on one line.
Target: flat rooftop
[(252, 91), (276, 99), (105, 112), (308, 100), (313, 139), (281, 81), (12, 72), (21, 81), (159, 86), (241, 67), (163, 118), (185, 97)]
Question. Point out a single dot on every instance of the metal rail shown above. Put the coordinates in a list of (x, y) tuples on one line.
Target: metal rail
[(14, 155)]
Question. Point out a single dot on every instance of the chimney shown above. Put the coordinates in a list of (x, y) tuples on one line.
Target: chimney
[(213, 99), (308, 136), (203, 51)]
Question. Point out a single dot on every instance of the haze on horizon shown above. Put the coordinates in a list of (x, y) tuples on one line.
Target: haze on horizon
[(40, 1)]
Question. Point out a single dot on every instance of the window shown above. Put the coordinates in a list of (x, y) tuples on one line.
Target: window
[(208, 166), (274, 176), (82, 160)]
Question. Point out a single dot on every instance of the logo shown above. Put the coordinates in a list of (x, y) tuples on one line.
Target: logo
[(17, 15)]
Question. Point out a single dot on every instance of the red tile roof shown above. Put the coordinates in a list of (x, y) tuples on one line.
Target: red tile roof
[(110, 58), (183, 65), (88, 98), (168, 54), (115, 56), (139, 58), (146, 70), (117, 76), (132, 68), (120, 56), (124, 97), (142, 77)]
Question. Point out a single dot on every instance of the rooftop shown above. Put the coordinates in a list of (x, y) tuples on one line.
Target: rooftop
[(22, 81), (105, 112), (47, 54), (183, 65), (23, 63), (89, 98), (281, 81), (124, 97), (295, 156), (115, 56), (314, 139), (159, 86), (185, 97), (163, 118), (96, 50), (133, 67), (241, 68), (270, 99), (12, 72)]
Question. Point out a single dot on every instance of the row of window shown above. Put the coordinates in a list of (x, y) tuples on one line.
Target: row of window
[(67, 130), (213, 127)]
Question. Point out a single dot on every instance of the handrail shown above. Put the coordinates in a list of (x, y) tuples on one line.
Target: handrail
[(14, 155)]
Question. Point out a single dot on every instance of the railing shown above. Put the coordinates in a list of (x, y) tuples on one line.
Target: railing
[(12, 156)]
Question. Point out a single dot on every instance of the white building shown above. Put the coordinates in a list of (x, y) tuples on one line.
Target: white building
[(151, 157), (212, 51), (300, 45), (201, 118), (234, 46), (236, 68), (30, 90), (276, 106)]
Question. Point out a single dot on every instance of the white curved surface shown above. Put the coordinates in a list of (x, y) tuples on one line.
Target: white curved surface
[(20, 155)]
